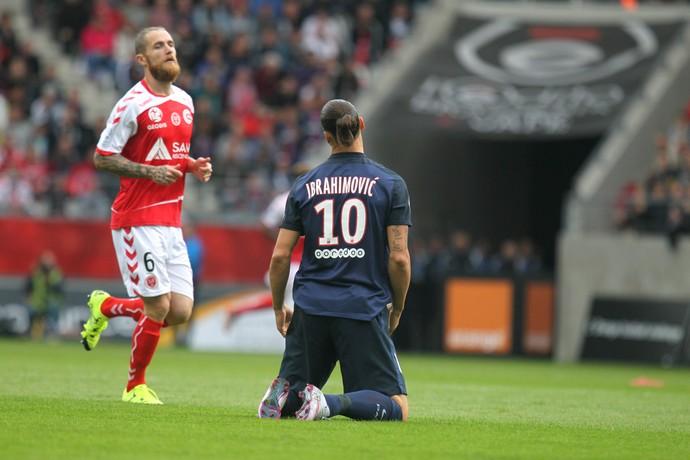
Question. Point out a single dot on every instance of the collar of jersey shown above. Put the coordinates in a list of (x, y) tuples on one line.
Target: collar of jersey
[(346, 155)]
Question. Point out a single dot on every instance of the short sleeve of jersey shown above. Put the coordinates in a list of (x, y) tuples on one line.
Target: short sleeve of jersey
[(291, 218), (120, 127), (401, 213)]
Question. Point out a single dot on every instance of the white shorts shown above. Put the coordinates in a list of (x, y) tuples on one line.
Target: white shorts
[(153, 261)]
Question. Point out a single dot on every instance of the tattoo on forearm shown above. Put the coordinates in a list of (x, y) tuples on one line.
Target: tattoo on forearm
[(123, 167), (398, 239), (157, 175)]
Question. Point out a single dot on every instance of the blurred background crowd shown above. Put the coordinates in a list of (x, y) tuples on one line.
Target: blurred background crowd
[(660, 203), (259, 72)]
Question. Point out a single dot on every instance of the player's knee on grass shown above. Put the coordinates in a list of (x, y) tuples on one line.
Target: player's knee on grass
[(396, 413), (401, 400)]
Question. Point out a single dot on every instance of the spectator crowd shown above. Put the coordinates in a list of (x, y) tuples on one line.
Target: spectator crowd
[(258, 70), (660, 203), (456, 254)]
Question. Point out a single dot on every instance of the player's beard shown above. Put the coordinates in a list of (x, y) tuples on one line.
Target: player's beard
[(167, 71)]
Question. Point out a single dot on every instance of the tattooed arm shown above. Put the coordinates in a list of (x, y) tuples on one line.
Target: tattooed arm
[(121, 166), (399, 271)]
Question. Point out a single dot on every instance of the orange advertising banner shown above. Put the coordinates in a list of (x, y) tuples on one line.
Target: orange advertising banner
[(537, 337), (479, 316)]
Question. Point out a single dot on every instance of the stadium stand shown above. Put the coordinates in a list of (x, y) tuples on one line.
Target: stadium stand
[(259, 72), (659, 203)]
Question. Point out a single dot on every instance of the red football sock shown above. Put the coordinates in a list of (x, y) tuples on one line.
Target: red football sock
[(144, 342), (132, 307)]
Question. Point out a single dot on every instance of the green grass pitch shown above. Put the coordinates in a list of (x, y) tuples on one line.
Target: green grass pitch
[(59, 402)]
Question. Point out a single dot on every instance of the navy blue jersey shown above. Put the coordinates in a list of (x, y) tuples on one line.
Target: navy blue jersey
[(343, 207)]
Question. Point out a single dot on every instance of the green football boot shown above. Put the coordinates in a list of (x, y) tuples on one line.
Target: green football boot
[(141, 394), (97, 322)]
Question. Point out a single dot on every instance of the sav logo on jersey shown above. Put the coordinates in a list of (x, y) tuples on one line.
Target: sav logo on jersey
[(180, 147), (160, 152)]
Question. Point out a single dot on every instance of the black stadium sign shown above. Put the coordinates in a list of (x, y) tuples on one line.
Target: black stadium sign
[(637, 330), (508, 77)]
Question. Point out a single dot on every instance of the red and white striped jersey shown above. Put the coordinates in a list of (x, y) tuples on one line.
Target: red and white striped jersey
[(154, 130)]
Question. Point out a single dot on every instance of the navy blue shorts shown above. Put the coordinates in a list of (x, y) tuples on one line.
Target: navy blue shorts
[(314, 344)]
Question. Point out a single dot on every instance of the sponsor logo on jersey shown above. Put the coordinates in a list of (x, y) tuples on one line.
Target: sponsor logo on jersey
[(159, 151), (157, 126), (155, 114), (175, 118), (355, 253), (180, 147), (187, 115)]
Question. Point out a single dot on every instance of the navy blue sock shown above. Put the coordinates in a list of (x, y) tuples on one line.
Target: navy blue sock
[(335, 403), (364, 405)]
